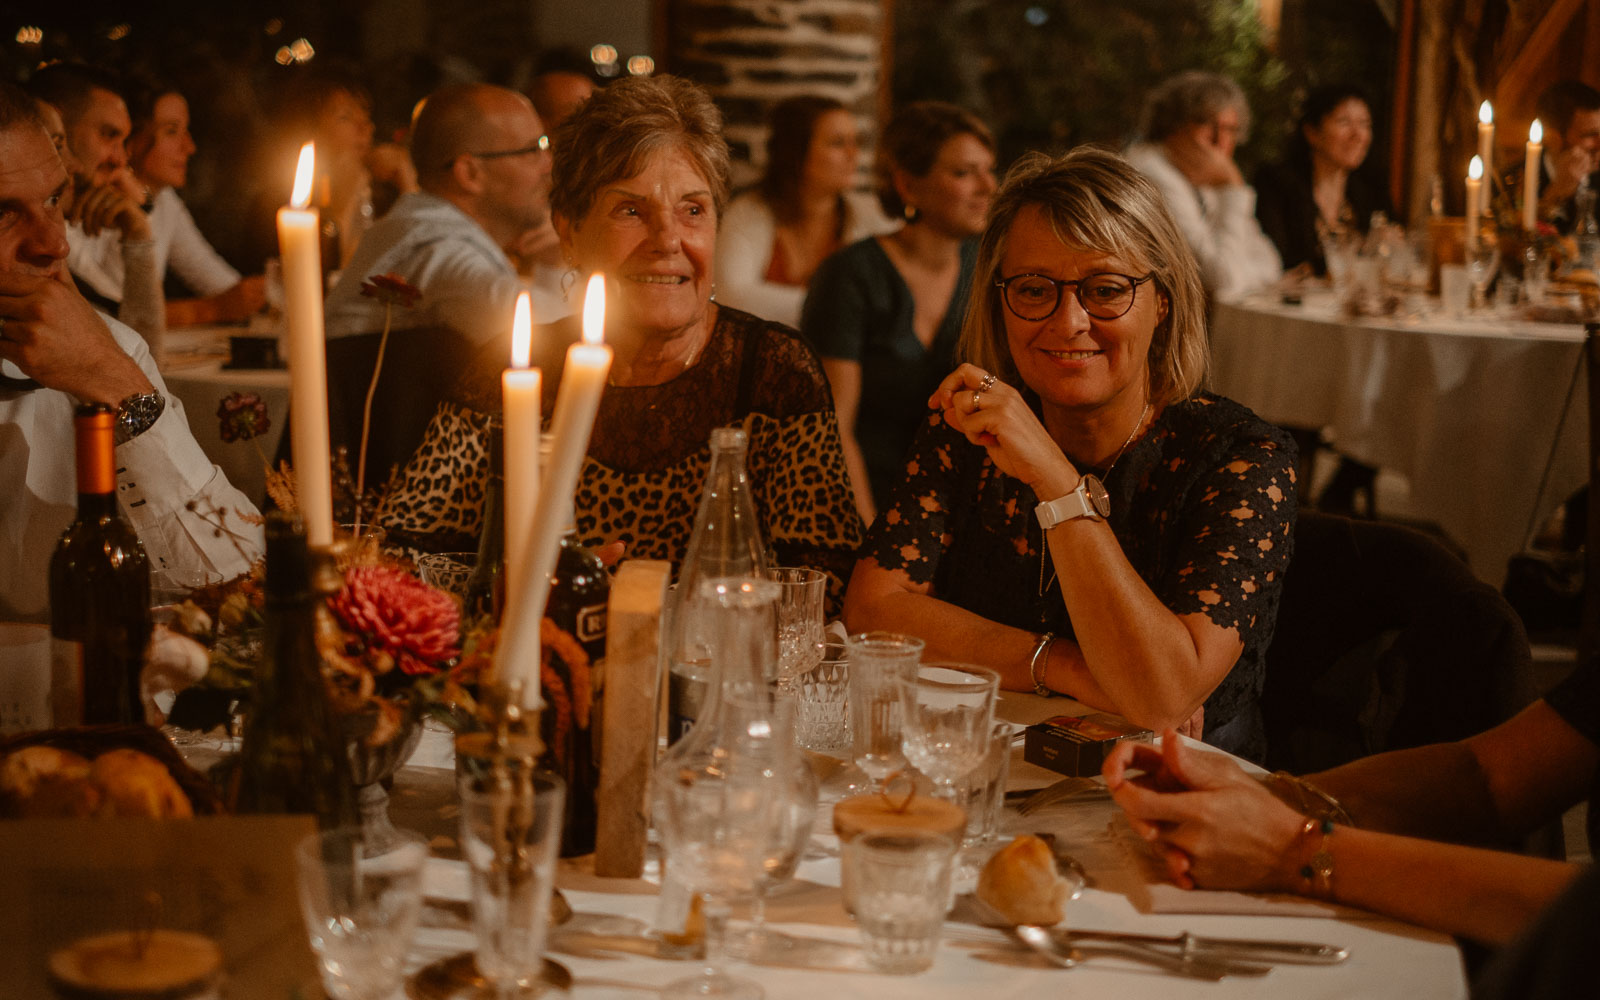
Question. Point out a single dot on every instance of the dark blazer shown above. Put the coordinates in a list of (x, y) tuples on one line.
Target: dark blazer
[(1288, 215)]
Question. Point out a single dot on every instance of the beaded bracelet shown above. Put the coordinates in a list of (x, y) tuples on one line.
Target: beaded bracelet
[(1319, 870), (1040, 651)]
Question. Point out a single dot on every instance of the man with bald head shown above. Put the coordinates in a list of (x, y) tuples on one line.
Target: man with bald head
[(483, 165)]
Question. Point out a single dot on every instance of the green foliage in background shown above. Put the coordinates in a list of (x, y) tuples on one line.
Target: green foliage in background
[(1050, 74)]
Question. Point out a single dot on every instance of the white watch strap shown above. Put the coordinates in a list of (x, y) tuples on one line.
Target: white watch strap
[(1075, 504)]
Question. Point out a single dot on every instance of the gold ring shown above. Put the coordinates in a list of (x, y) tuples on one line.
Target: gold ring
[(987, 383), (975, 394)]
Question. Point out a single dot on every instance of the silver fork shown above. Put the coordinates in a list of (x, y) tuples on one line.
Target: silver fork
[(1061, 791)]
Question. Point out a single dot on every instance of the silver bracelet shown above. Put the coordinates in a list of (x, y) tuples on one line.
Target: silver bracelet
[(1041, 652)]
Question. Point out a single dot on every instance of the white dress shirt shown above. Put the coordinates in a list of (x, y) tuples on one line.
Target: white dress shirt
[(467, 281), (1219, 223), (745, 246), (191, 520)]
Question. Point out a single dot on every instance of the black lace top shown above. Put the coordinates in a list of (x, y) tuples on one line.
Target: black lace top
[(648, 455), (1203, 506)]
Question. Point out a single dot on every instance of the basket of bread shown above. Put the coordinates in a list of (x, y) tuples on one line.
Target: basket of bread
[(100, 771)]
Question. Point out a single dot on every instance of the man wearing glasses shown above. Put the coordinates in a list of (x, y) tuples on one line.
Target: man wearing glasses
[(483, 165)]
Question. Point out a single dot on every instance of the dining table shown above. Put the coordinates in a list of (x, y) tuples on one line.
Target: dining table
[(608, 949), (197, 364), (1482, 414)]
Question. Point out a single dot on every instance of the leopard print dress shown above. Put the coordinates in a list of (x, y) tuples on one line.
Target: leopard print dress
[(649, 453)]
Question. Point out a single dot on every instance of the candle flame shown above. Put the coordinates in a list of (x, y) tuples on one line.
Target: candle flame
[(594, 309), (1475, 169), (303, 175), (1536, 132), (522, 333), (1486, 113)]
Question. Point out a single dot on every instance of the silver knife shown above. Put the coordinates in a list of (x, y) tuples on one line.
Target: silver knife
[(1193, 946)]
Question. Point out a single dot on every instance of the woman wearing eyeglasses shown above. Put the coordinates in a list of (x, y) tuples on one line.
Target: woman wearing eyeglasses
[(1077, 513)]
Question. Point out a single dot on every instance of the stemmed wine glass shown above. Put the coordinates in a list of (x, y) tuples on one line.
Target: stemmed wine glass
[(949, 712), (1483, 262), (879, 662), (718, 826), (790, 833)]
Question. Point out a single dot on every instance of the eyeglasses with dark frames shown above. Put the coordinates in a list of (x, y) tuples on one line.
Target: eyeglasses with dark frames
[(1036, 297), (540, 145)]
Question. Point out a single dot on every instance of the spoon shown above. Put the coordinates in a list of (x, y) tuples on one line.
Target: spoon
[(1212, 970)]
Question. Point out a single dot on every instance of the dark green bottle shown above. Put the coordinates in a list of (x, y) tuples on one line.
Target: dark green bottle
[(294, 758)]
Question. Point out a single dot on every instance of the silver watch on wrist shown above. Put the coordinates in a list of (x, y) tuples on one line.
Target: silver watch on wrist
[(1089, 500), (136, 414)]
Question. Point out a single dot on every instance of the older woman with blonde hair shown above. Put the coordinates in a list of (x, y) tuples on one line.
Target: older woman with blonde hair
[(1078, 513), (639, 180)]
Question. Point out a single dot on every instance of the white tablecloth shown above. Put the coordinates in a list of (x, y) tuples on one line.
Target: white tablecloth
[(1465, 409), (1387, 958), (191, 360)]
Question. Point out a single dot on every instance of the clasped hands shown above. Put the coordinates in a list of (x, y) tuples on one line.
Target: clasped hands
[(1214, 826)]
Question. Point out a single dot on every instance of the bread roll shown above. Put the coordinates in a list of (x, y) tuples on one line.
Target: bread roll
[(1022, 884), (41, 781), (137, 785)]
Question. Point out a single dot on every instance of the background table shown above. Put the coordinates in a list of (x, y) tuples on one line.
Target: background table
[(1465, 409), (1388, 958), (192, 361)]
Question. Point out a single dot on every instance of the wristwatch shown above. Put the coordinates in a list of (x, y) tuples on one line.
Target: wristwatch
[(136, 414), (1089, 500)]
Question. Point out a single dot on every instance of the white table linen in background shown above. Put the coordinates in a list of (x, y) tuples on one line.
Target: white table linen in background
[(1465, 409)]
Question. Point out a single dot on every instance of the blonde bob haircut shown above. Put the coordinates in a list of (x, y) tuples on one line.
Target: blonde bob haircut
[(1096, 203), (613, 133)]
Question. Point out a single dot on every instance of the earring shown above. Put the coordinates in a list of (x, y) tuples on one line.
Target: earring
[(713, 296), (568, 279), (911, 213)]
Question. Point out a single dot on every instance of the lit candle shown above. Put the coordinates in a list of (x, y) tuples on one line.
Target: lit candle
[(1531, 170), (298, 246), (583, 379), (1474, 192), (519, 388), (1486, 136)]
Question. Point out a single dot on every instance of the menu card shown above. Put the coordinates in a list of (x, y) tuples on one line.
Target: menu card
[(230, 878)]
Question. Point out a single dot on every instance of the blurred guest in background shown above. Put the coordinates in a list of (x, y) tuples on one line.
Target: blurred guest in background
[(1318, 190), (483, 161), (56, 352), (640, 176), (885, 313), (1080, 515), (561, 82), (158, 151), (1569, 112), (804, 209), (83, 105), (1192, 124)]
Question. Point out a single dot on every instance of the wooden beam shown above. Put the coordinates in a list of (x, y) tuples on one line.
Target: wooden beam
[(1400, 117), (1519, 82)]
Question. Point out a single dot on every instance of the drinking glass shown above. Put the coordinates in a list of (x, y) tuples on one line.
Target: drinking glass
[(1535, 275), (949, 714), (1455, 288), (788, 836), (510, 836), (880, 665), (1339, 251), (361, 906), (902, 891), (983, 790), (1483, 262), (717, 823), (447, 571), (800, 638), (822, 714)]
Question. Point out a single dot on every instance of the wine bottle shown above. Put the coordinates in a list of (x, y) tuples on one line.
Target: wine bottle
[(579, 591), (486, 586), (99, 592), (726, 542), (294, 758)]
